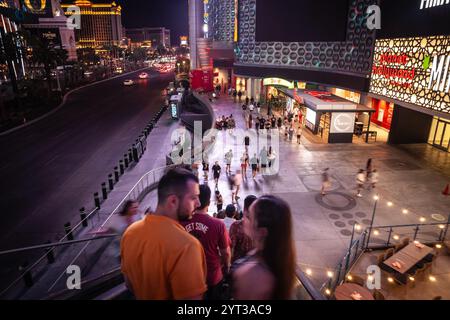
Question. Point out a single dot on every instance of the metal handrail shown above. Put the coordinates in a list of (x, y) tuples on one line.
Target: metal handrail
[(365, 246), (44, 255), (135, 187), (56, 244)]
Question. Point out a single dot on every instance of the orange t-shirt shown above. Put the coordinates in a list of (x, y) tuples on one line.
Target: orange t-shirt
[(162, 261)]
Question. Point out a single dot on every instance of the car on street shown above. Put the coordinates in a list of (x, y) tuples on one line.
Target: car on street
[(128, 82), (143, 75)]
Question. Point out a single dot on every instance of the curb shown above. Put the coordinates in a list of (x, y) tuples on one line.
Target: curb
[(64, 102)]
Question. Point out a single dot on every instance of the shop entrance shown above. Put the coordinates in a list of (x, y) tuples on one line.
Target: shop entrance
[(441, 135)]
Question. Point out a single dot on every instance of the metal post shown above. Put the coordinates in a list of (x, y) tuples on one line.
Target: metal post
[(27, 277), (389, 236), (371, 221), (104, 191), (116, 174), (350, 247), (68, 229), (50, 254), (96, 200), (338, 274), (125, 159), (416, 230), (446, 228), (111, 182), (122, 169), (130, 155), (84, 222)]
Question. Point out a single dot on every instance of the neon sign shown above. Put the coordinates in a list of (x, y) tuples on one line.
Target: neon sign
[(426, 4)]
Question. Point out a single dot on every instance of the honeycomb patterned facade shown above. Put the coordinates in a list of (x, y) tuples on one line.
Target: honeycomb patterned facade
[(221, 20), (415, 91), (353, 56)]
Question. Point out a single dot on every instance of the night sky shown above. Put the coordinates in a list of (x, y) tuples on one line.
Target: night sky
[(172, 14)]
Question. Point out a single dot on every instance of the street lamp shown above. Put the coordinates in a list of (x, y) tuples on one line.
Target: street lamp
[(376, 198)]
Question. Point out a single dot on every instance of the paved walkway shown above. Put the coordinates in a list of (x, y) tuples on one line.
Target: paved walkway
[(323, 225)]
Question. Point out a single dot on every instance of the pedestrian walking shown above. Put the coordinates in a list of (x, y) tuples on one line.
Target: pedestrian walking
[(299, 134), (228, 160), (360, 181), (369, 167), (244, 165), (246, 143), (373, 178), (237, 181), (291, 133), (216, 172), (325, 181), (234, 95), (240, 96), (250, 121), (205, 170), (219, 201), (254, 162), (279, 123)]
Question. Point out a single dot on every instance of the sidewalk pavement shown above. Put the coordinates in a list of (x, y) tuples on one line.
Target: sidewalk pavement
[(323, 225)]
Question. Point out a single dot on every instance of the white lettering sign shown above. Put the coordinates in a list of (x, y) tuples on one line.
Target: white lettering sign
[(439, 76), (426, 4), (342, 123)]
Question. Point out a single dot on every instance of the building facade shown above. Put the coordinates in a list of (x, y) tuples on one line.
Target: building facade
[(155, 36), (398, 77), (101, 23)]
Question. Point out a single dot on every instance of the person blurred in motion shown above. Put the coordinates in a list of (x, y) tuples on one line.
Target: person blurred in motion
[(160, 260), (268, 271), (213, 236), (241, 243)]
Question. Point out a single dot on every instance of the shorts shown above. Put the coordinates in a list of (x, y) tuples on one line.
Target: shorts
[(254, 167), (216, 176), (243, 166)]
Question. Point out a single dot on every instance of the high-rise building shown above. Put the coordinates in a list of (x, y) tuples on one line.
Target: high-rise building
[(101, 23), (155, 36)]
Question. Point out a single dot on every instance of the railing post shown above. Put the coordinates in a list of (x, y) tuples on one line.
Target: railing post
[(389, 236), (363, 245), (27, 277), (356, 250), (130, 155), (416, 231), (116, 174), (338, 275), (111, 182), (104, 191), (68, 230), (84, 222), (446, 228), (50, 254), (96, 200), (121, 167)]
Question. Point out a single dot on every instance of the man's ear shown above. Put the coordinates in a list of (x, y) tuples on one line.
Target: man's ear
[(172, 201)]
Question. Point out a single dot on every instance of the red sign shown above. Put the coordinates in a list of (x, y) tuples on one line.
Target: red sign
[(391, 67), (202, 80)]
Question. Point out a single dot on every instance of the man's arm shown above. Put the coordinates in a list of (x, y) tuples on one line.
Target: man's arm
[(226, 258)]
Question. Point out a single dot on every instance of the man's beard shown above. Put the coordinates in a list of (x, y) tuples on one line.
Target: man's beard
[(182, 215)]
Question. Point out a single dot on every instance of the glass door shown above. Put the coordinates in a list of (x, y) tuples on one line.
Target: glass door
[(441, 137)]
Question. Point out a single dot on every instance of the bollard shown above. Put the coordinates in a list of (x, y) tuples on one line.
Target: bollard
[(111, 182), (96, 200), (130, 156), (121, 167), (125, 159), (27, 277), (68, 229), (84, 222), (116, 174), (50, 255), (104, 191)]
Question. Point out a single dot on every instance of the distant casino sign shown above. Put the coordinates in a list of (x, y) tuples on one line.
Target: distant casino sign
[(41, 8)]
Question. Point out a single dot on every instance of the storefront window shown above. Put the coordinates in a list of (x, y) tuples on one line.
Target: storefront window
[(440, 134), (383, 114)]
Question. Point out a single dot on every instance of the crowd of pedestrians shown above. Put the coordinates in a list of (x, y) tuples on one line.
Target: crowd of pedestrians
[(180, 252)]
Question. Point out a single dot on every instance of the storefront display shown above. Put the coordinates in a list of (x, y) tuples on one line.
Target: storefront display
[(440, 134), (383, 114)]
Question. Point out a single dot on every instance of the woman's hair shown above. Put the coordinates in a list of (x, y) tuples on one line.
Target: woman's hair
[(274, 214), (126, 207)]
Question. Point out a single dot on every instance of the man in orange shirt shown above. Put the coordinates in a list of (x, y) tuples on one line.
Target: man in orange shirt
[(160, 260)]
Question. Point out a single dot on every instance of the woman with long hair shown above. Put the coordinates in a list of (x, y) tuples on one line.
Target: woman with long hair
[(268, 271)]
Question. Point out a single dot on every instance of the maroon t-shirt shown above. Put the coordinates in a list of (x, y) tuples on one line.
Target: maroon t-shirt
[(213, 235)]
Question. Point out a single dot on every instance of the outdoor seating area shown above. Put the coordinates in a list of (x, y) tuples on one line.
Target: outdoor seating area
[(409, 271)]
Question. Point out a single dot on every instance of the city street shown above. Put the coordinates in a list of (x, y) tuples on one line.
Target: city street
[(52, 168)]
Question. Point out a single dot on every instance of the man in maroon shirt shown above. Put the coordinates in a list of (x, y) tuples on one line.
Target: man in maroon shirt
[(213, 236)]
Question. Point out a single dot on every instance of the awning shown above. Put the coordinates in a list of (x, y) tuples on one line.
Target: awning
[(319, 101)]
